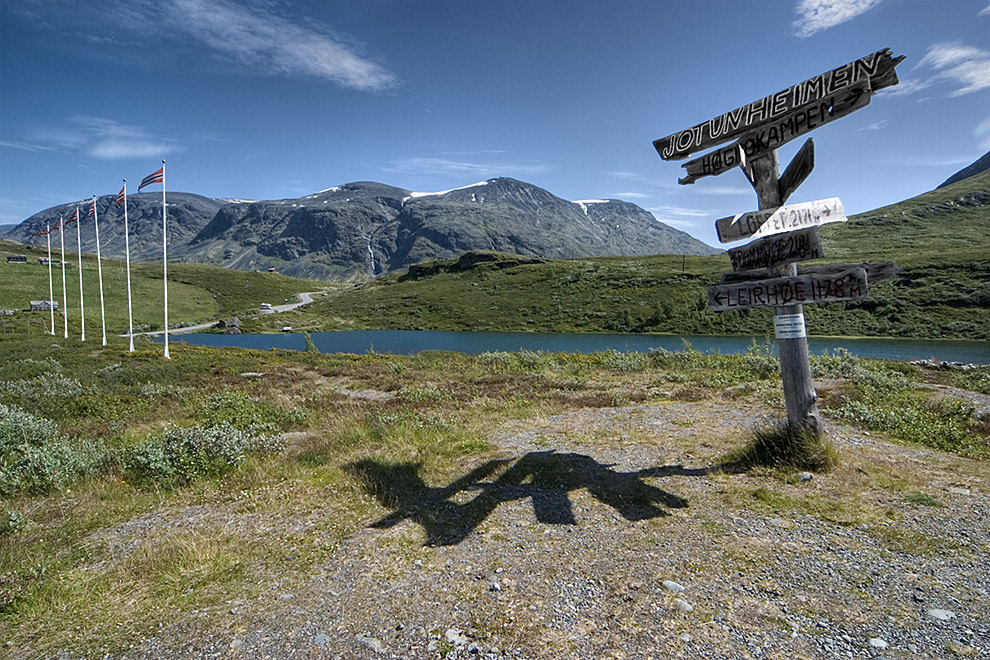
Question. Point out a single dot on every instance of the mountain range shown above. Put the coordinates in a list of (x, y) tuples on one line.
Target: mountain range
[(365, 229)]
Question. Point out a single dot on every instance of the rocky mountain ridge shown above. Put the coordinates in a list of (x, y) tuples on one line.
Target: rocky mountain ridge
[(365, 229)]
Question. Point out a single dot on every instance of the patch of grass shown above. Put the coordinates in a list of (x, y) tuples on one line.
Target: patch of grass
[(922, 499), (784, 445)]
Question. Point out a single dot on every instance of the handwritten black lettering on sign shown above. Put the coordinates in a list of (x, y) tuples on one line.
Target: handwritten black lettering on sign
[(783, 291), (779, 220), (778, 250), (876, 69), (780, 131), (874, 272)]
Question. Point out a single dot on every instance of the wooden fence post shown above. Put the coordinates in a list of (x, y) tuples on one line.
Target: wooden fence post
[(795, 365)]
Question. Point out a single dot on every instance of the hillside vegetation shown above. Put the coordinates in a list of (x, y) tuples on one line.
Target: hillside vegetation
[(197, 293), (940, 240)]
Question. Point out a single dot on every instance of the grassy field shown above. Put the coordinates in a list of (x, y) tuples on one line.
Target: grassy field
[(940, 240), (97, 441), (196, 293)]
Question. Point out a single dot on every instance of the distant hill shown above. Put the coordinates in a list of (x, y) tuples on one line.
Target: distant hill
[(981, 165), (365, 229), (6, 228)]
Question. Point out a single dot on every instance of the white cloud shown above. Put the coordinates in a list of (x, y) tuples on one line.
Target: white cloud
[(675, 222), (631, 195), (108, 139), (985, 12), (25, 146), (260, 38), (817, 15), (966, 67), (450, 167), (875, 126)]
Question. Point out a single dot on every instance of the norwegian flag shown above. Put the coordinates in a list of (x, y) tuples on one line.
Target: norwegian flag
[(58, 225), (41, 232), (121, 196), (154, 177), (92, 209), (74, 218)]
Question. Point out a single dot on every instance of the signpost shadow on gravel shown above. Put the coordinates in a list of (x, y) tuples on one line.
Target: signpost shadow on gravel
[(545, 477)]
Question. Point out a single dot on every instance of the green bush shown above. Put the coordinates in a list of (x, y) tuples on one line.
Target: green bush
[(181, 455), (246, 413), (784, 445), (36, 458)]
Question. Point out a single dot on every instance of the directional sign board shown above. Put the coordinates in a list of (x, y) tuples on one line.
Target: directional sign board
[(798, 170), (877, 70), (782, 130), (782, 291), (778, 250), (779, 220)]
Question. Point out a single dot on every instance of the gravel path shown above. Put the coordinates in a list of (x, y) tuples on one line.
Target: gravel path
[(586, 537)]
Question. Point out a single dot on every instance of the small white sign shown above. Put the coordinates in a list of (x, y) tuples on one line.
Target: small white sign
[(789, 326)]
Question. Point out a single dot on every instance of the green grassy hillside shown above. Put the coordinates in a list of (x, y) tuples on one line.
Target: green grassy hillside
[(196, 293), (941, 240)]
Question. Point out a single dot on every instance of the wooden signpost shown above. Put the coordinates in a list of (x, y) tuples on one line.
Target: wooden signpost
[(779, 219), (766, 272)]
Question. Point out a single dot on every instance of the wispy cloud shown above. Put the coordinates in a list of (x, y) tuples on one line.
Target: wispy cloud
[(985, 12), (25, 146), (966, 68), (631, 195), (108, 139), (256, 36), (99, 137), (813, 16), (875, 126), (449, 167)]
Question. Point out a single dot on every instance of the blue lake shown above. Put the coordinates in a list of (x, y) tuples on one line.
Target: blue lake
[(409, 342)]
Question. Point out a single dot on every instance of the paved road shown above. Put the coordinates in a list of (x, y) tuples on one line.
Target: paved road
[(304, 299)]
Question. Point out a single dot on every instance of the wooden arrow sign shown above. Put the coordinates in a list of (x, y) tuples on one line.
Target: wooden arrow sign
[(877, 70), (779, 220), (778, 250), (771, 135), (797, 171), (874, 272), (782, 291)]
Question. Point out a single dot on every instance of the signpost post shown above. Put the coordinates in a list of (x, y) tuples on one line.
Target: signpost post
[(786, 234)]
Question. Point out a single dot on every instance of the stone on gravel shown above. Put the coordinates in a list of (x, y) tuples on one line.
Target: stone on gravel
[(456, 637), (372, 643), (940, 614), (877, 643), (672, 587), (683, 605)]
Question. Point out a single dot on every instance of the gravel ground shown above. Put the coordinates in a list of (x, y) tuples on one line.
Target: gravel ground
[(608, 533)]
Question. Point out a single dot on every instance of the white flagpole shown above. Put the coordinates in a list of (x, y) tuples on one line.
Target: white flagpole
[(127, 250), (65, 300), (51, 291), (165, 259), (82, 314), (99, 270)]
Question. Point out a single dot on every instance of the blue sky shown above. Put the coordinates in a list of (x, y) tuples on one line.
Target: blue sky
[(265, 99)]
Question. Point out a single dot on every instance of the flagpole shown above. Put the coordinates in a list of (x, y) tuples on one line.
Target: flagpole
[(165, 259), (99, 270), (82, 314), (65, 300), (51, 291), (127, 250)]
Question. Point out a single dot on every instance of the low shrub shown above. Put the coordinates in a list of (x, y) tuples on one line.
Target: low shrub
[(784, 445), (181, 455), (35, 457)]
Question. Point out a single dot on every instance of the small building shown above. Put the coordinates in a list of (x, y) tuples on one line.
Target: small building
[(44, 305), (17, 258)]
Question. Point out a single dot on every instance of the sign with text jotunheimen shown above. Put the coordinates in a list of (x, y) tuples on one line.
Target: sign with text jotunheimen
[(876, 69)]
